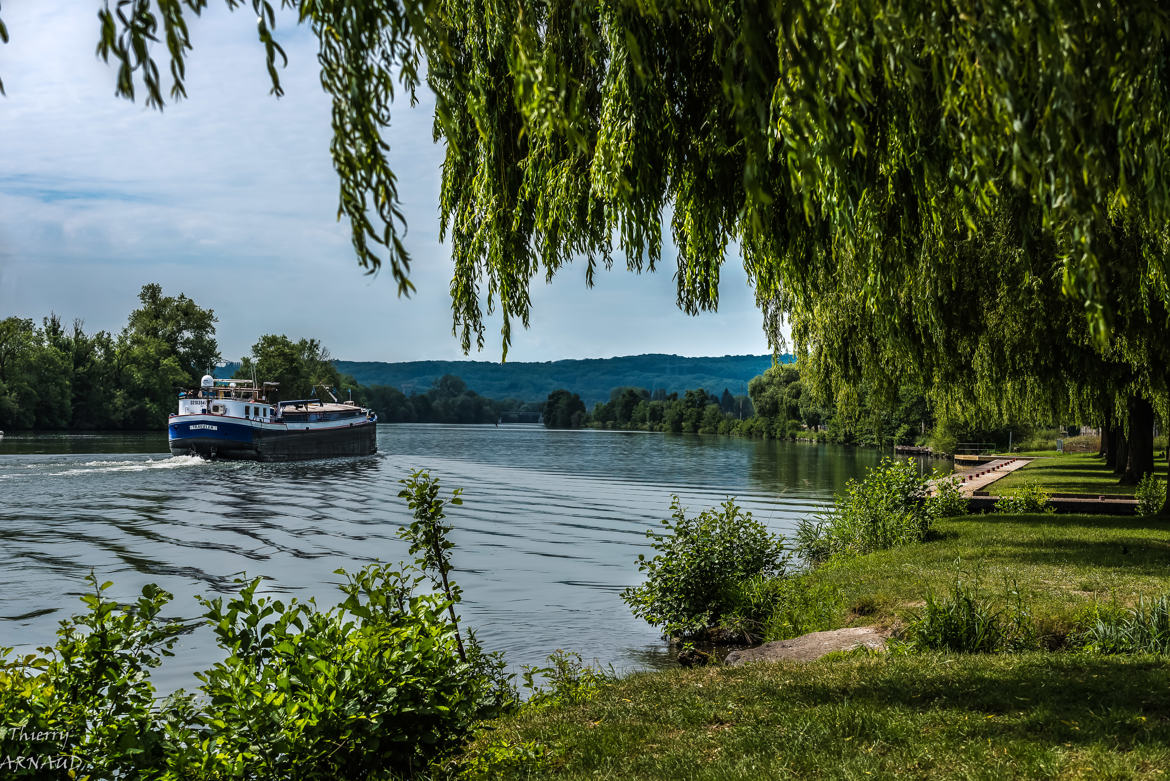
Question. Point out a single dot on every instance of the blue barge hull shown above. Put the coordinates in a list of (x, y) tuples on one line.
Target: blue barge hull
[(227, 439)]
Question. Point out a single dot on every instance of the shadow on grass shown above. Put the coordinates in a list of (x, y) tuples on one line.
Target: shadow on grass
[(1091, 524), (1069, 699), (1078, 471), (937, 535), (1138, 555), (927, 716)]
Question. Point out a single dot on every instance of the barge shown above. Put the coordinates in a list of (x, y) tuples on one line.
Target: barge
[(235, 419)]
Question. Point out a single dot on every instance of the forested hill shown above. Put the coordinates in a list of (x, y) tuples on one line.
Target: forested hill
[(591, 378)]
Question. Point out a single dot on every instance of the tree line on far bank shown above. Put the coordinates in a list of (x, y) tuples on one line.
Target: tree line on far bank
[(778, 405), (785, 403), (55, 378), (58, 377), (448, 400)]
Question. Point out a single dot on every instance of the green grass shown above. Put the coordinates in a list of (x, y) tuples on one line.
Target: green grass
[(1036, 714), (1058, 563), (1072, 473), (1030, 715)]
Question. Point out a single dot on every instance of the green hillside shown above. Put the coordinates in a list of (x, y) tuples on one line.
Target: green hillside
[(591, 378)]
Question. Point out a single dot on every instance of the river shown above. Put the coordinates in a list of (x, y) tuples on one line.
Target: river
[(548, 535)]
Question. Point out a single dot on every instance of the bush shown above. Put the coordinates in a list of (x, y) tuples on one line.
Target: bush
[(1143, 629), (91, 694), (1082, 443), (1029, 498), (380, 684), (887, 509), (968, 622), (1151, 493), (695, 579), (377, 682), (948, 500)]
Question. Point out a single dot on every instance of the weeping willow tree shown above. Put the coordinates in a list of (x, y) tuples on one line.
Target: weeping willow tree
[(1011, 345), (867, 143)]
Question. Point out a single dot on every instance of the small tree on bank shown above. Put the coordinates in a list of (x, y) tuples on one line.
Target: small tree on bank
[(563, 409)]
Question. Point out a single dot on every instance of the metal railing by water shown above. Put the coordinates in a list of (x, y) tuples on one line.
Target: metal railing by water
[(974, 448)]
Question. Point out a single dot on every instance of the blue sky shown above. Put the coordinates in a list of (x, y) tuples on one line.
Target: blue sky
[(230, 197)]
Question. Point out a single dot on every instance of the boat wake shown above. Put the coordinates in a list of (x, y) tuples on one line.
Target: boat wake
[(90, 467)]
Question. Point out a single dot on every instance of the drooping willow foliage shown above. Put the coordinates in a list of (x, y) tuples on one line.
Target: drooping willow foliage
[(871, 162)]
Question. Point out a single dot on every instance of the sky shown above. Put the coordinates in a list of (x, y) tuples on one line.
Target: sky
[(230, 197)]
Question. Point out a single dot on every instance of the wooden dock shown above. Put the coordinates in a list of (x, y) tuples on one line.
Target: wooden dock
[(971, 480), (973, 484)]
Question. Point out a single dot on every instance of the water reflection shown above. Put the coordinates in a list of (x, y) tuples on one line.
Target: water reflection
[(547, 539)]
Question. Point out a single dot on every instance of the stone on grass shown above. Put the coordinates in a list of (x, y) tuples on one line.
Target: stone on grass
[(812, 646)]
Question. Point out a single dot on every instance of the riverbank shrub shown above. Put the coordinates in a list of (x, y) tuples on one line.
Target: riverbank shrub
[(890, 507), (694, 582), (1028, 498), (86, 703), (378, 685), (948, 500), (1151, 492)]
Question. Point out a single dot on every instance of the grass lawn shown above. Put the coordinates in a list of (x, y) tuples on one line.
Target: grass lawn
[(1058, 563), (1033, 715), (1073, 473), (1038, 714)]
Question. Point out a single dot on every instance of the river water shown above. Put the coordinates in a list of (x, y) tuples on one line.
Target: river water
[(548, 535)]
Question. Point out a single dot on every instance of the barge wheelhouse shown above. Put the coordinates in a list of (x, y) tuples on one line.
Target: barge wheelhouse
[(235, 419)]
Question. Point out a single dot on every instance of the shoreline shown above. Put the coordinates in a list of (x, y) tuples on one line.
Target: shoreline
[(758, 715)]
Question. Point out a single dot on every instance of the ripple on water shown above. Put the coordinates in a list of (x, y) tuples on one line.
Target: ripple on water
[(547, 539)]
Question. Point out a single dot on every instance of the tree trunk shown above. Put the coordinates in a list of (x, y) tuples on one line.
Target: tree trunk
[(1165, 511), (1103, 444), (1140, 451), (1119, 455), (1110, 454)]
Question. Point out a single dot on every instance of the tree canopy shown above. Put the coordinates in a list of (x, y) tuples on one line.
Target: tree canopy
[(563, 409), (297, 367), (863, 134), (886, 143), (52, 377)]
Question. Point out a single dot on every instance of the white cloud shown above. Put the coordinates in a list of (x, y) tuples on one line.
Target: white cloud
[(230, 197)]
